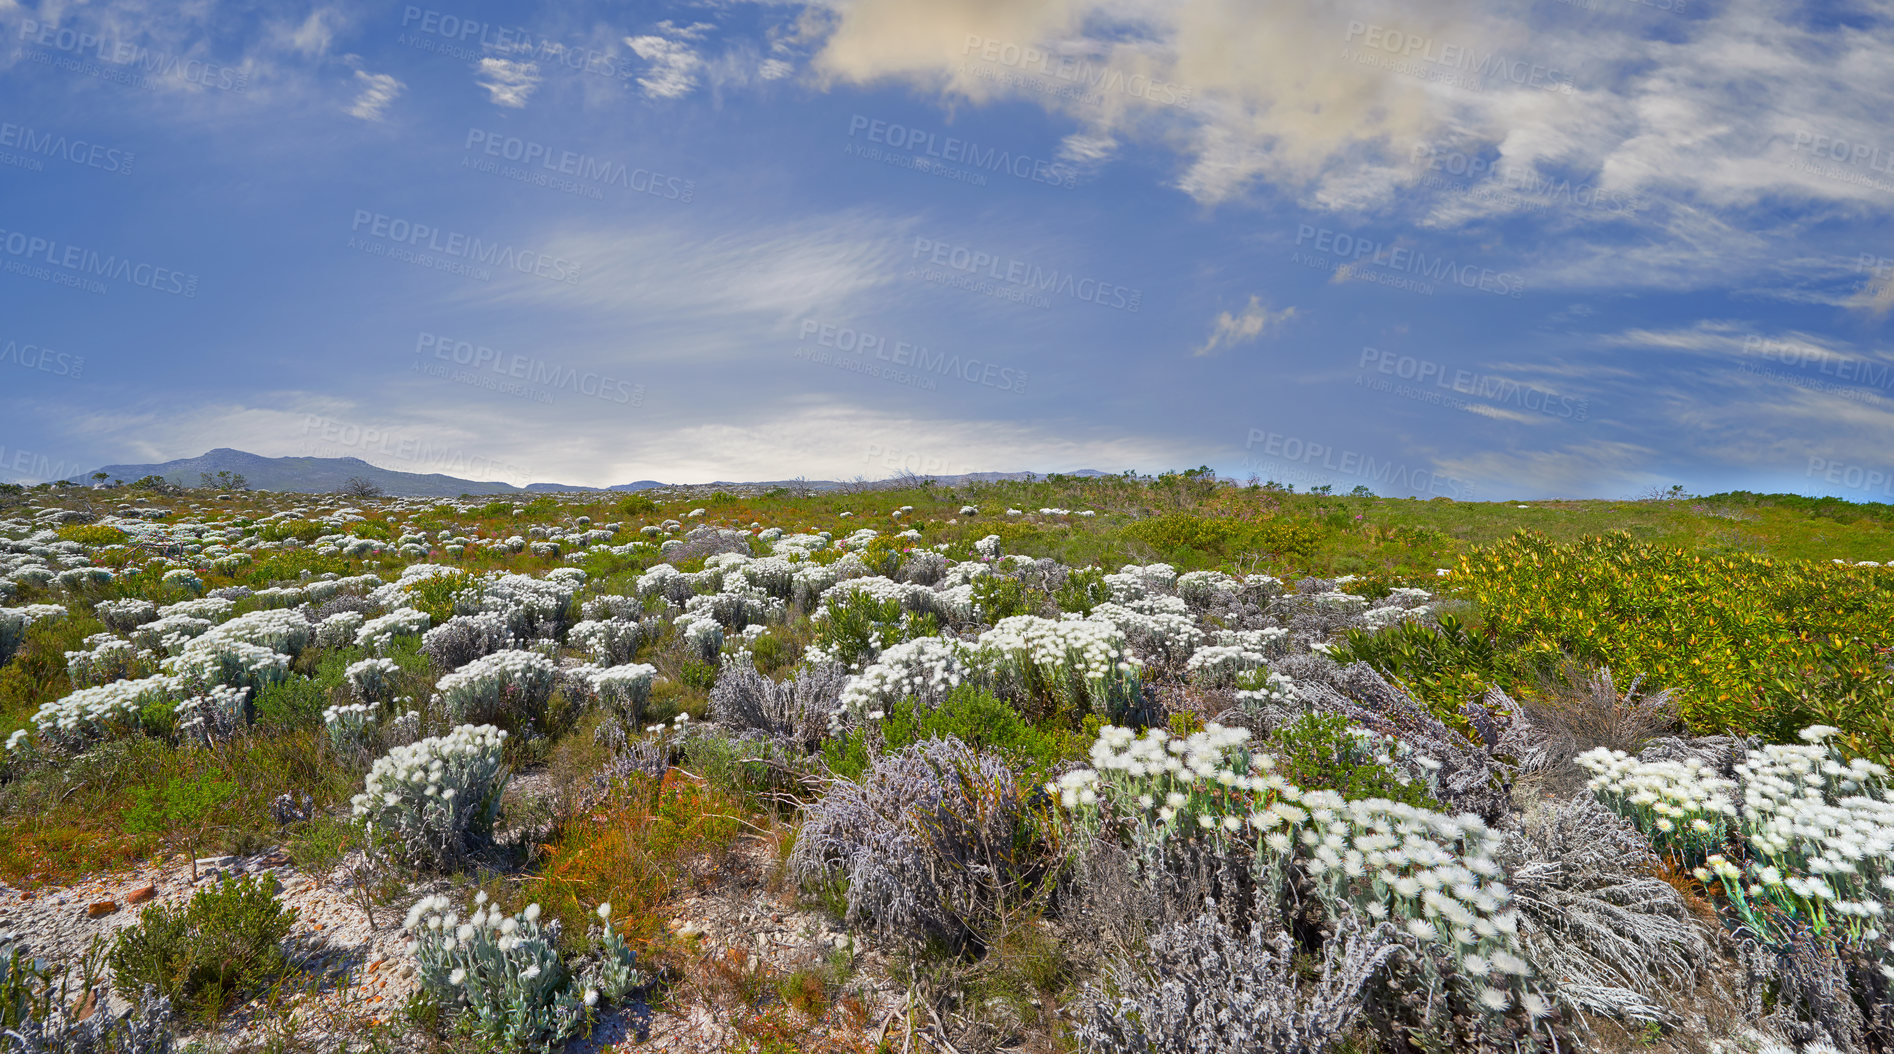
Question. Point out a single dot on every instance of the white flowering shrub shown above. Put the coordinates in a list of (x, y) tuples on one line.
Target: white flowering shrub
[(213, 716), (436, 800), (1375, 860), (109, 659), (1159, 627), (701, 635), (1079, 663), (348, 726), (372, 680), (511, 683), (464, 638), (182, 580), (276, 629), (610, 642), (211, 660), (1683, 807), (503, 974), (14, 622), (339, 629), (925, 669), (624, 690), (1820, 835), (377, 634), (125, 615), (91, 714), (1218, 665)]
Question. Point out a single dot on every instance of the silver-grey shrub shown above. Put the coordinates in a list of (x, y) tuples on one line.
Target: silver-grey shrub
[(926, 839), (464, 638), (436, 800), (796, 709), (1206, 989), (1594, 919)]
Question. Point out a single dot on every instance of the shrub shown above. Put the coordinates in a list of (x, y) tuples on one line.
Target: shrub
[(511, 685), (1328, 752), (610, 643), (1208, 990), (1443, 666), (223, 944), (797, 709), (1074, 667), (92, 535), (464, 638), (972, 715), (931, 841), (624, 690), (436, 800), (1083, 590), (855, 627), (503, 977)]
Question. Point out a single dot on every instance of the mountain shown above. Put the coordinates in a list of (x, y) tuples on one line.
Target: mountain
[(312, 475), (326, 475)]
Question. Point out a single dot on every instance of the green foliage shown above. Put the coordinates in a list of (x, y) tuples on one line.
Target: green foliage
[(1084, 589), (980, 719), (92, 534), (435, 594), (1443, 668), (283, 530), (178, 804), (998, 597), (1747, 643), (698, 674), (225, 943), (1187, 537), (637, 505), (858, 624), (1323, 752)]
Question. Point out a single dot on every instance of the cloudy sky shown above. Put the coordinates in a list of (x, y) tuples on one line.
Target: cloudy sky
[(1488, 250)]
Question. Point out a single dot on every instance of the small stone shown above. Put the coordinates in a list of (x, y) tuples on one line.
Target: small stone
[(141, 894), (98, 909)]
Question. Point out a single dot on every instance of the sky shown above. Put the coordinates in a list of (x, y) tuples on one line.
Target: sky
[(1486, 251)]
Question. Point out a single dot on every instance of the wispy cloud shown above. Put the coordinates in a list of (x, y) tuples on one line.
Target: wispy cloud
[(377, 91), (1230, 330), (509, 83)]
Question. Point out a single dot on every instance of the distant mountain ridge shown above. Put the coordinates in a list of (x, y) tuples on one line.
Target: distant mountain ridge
[(326, 475)]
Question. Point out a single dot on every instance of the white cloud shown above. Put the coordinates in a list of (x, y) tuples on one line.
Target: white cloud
[(1230, 330), (674, 64), (378, 90), (508, 82)]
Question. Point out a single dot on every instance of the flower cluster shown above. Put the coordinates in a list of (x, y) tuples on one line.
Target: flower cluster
[(925, 668), (372, 680), (214, 716), (90, 714), (1683, 807), (347, 726), (625, 690), (503, 974), (1080, 662), (1821, 837), (437, 797), (507, 682), (378, 633)]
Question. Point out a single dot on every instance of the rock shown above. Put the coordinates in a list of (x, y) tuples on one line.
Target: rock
[(100, 908), (141, 894)]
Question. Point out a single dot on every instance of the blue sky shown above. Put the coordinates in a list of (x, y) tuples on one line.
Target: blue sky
[(1486, 251)]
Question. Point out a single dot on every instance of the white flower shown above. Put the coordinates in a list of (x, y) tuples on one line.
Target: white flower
[(604, 910), (459, 976)]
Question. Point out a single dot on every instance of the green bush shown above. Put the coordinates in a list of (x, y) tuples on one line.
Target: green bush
[(698, 674), (1323, 752), (224, 944), (1084, 589), (979, 719), (283, 530), (859, 623), (998, 597), (1442, 668)]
